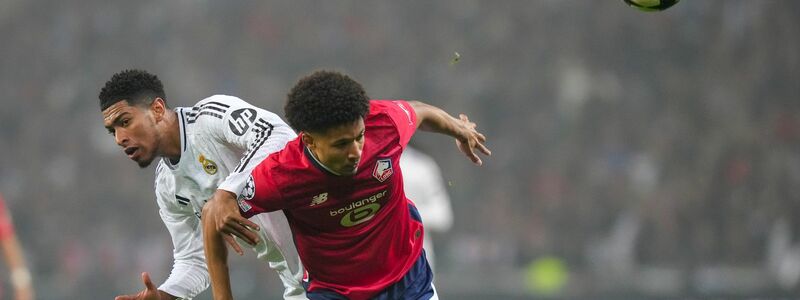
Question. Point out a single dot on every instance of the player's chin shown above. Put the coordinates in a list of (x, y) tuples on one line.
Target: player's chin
[(348, 171), (144, 162)]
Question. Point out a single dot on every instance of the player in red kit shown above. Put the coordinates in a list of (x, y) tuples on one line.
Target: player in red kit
[(340, 185)]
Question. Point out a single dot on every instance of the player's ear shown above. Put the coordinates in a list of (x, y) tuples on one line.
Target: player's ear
[(159, 108), (307, 139)]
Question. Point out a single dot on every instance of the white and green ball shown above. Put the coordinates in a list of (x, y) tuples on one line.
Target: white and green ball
[(651, 5)]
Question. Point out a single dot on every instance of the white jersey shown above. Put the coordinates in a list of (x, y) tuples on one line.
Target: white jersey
[(423, 184), (222, 139)]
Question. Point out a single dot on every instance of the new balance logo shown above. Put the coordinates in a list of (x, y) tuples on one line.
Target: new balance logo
[(319, 199)]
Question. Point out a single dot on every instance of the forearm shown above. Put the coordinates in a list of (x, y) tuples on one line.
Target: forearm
[(13, 253), (468, 139), (217, 260), (20, 275), (434, 119)]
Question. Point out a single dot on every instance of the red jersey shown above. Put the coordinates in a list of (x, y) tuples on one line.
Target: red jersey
[(6, 229), (356, 235)]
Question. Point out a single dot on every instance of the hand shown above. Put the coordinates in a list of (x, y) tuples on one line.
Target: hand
[(470, 139), (149, 293), (223, 212)]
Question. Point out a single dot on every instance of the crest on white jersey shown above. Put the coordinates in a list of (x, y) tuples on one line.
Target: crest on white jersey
[(208, 165), (319, 199), (383, 169)]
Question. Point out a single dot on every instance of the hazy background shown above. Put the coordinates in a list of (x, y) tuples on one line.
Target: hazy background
[(635, 154)]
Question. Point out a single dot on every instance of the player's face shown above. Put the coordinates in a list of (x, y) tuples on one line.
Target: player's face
[(339, 148), (134, 129)]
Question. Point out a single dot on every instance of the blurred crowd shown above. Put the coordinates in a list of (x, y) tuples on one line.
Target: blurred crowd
[(653, 153)]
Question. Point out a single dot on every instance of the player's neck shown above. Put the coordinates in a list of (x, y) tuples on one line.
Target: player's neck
[(314, 156), (171, 142)]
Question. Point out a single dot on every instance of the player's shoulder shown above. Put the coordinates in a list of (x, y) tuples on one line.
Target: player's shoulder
[(211, 109), (285, 161), (395, 110), (224, 107), (290, 156), (220, 100), (377, 106)]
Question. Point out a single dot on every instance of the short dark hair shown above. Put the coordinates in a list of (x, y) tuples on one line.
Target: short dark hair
[(323, 100), (138, 87)]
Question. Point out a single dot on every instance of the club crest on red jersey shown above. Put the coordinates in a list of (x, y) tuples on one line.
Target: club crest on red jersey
[(383, 169)]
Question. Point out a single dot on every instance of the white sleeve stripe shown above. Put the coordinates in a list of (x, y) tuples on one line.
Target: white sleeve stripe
[(261, 138), (212, 107), (207, 109), (205, 113)]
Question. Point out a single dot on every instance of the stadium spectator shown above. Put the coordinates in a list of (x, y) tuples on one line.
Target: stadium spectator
[(13, 256), (424, 185)]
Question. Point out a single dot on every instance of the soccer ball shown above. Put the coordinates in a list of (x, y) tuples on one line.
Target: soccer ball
[(651, 5)]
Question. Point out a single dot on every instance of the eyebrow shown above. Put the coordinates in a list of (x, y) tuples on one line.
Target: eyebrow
[(116, 120), (347, 140)]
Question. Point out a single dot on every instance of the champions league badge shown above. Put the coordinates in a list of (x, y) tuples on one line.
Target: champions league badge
[(249, 190), (383, 169), (248, 193)]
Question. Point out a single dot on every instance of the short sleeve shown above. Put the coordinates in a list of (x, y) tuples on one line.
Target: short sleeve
[(403, 116), (235, 122), (260, 194)]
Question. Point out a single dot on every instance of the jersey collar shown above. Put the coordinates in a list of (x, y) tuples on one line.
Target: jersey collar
[(182, 128), (318, 163)]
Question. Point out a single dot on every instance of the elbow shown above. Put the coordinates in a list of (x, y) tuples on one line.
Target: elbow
[(425, 113), (419, 107), (415, 103)]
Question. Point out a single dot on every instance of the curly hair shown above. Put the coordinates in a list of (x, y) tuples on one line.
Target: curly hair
[(323, 100), (138, 87)]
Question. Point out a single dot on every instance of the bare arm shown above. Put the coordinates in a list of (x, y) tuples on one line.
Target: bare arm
[(221, 220), (217, 260), (20, 276), (468, 139)]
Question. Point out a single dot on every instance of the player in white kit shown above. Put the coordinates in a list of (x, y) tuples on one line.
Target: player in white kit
[(425, 186), (208, 147)]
